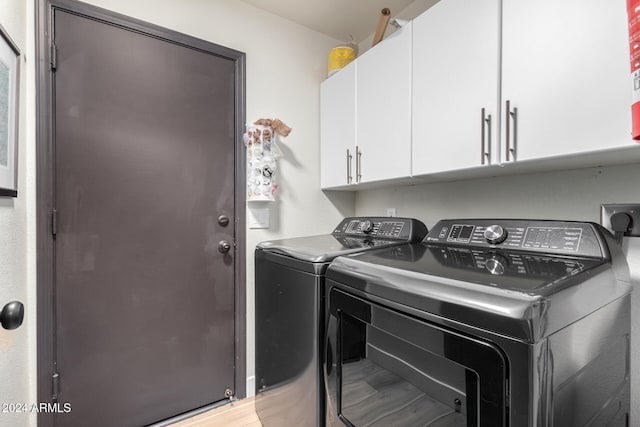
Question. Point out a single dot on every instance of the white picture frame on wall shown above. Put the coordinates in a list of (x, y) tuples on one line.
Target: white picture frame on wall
[(9, 108)]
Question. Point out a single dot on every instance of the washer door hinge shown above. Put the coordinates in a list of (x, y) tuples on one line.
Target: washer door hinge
[(55, 386), (54, 56)]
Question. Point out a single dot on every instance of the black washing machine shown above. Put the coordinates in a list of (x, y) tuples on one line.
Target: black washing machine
[(485, 323), (289, 323)]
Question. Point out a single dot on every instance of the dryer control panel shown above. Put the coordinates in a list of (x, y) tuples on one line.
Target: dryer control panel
[(408, 229), (555, 237)]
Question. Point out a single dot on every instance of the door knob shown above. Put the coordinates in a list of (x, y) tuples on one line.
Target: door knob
[(12, 315), (224, 246)]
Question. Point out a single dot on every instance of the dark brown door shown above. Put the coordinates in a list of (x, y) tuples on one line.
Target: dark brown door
[(144, 168)]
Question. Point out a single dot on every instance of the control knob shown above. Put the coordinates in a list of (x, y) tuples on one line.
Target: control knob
[(495, 234), (367, 226)]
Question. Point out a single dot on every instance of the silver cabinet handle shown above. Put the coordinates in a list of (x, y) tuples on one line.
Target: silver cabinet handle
[(358, 164), (349, 157), (485, 147), (511, 115)]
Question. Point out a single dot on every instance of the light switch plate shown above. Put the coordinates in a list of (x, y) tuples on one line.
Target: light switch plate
[(632, 209), (259, 217)]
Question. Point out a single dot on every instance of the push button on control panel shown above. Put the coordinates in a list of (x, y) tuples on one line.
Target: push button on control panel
[(390, 228), (443, 232), (556, 238)]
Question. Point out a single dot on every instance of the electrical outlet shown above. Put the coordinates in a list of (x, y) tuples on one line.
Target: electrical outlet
[(391, 212), (632, 210)]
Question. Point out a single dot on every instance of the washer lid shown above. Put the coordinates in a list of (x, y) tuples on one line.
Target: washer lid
[(323, 248), (353, 234), (523, 295)]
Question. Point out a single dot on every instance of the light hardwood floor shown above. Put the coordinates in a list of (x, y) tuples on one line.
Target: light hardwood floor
[(236, 414)]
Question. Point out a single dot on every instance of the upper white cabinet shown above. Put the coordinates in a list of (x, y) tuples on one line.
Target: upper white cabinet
[(383, 109), (480, 83), (456, 68), (338, 128), (365, 116), (565, 68)]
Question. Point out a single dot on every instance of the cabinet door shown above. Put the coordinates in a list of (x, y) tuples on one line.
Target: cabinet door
[(455, 75), (384, 108), (337, 128), (566, 70)]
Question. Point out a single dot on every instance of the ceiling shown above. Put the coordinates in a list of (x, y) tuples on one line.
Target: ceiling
[(339, 19)]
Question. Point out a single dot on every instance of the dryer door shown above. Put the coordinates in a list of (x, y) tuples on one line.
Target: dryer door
[(386, 368)]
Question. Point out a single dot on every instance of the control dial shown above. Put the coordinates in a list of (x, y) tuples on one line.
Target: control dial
[(367, 226), (495, 234)]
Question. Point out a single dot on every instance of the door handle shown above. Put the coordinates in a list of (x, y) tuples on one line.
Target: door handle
[(224, 246), (349, 157), (511, 115), (358, 164), (485, 146), (12, 315)]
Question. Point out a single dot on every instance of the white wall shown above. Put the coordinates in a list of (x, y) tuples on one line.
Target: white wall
[(570, 195), (285, 64), (575, 194), (17, 241)]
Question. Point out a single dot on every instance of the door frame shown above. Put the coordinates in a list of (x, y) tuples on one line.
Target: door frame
[(45, 97)]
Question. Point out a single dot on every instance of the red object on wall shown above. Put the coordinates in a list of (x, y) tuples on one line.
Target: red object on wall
[(633, 11)]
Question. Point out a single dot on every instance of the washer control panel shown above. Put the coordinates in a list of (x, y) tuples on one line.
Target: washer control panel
[(560, 237), (407, 229)]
